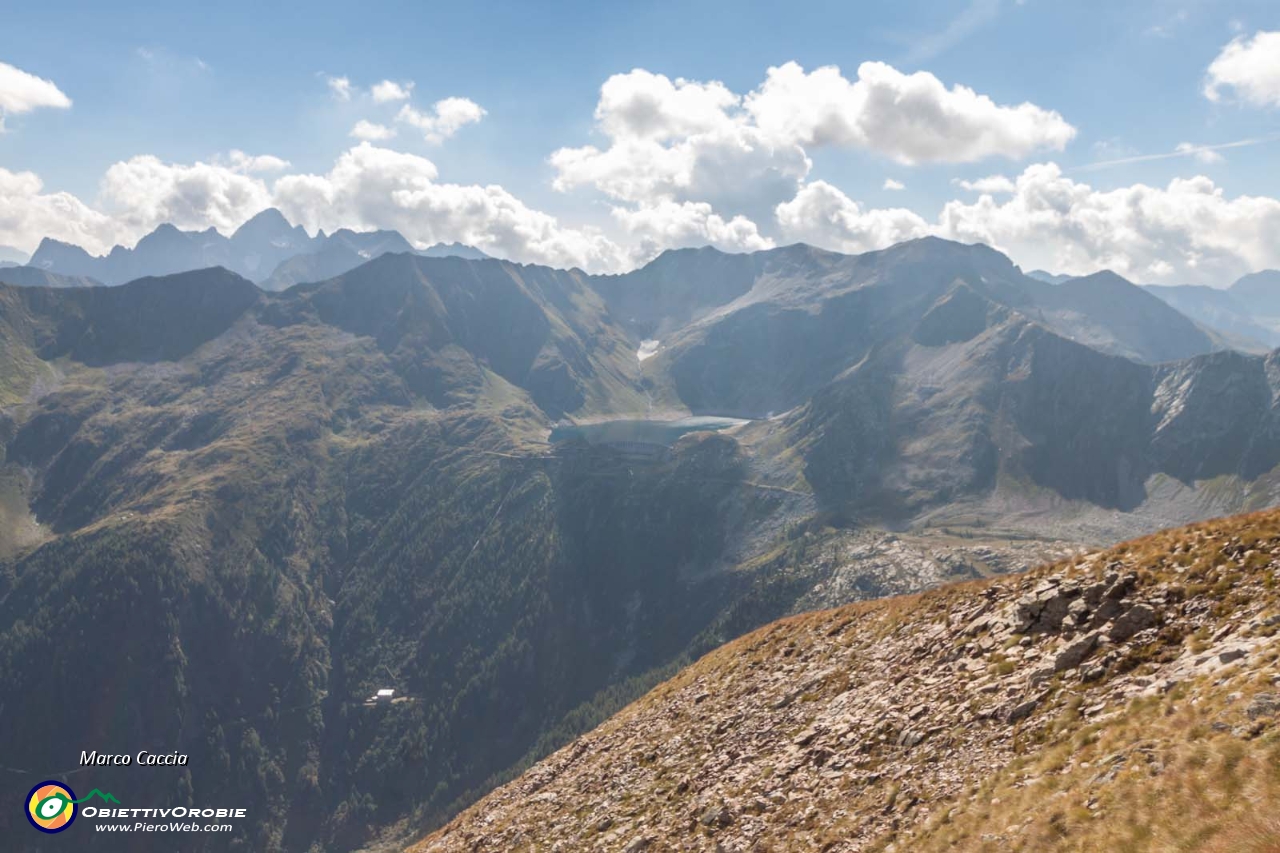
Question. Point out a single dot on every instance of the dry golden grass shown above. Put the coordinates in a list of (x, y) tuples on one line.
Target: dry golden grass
[(1180, 784), (1188, 770)]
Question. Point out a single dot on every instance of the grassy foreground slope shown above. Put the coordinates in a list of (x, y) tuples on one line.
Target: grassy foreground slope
[(1124, 700)]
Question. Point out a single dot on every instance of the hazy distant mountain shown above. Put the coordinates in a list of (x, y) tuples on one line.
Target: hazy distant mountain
[(266, 249), (35, 277), (1247, 313), (1259, 292), (1227, 311), (66, 259), (252, 251), (452, 250), (1049, 277), (261, 244), (10, 256), (345, 250), (333, 255)]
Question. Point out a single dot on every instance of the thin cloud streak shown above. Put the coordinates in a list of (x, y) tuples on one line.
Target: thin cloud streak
[(974, 16), (1189, 151)]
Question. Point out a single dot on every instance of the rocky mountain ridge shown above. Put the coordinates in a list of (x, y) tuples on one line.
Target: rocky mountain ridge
[(1032, 712)]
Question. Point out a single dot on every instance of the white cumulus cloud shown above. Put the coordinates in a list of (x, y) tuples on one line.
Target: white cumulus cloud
[(910, 118), (372, 131), (992, 184), (891, 184), (680, 140), (1248, 66), (1189, 231), (823, 216), (372, 187), (1186, 232), (248, 163), (28, 214), (677, 141), (389, 90), (445, 118), (1204, 154), (673, 225), (143, 192), (21, 92)]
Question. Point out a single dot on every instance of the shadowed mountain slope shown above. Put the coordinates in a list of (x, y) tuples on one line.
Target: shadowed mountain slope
[(34, 277), (753, 334), (927, 420), (1109, 313)]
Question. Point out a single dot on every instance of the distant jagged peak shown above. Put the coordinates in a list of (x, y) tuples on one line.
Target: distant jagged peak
[(269, 220), (52, 244), (349, 235), (1103, 277), (1049, 277), (166, 234), (454, 250)]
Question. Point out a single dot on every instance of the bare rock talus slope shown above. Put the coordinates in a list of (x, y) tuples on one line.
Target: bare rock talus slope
[(1126, 699)]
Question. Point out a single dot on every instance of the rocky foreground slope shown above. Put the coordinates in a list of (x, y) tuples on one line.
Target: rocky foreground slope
[(1123, 700)]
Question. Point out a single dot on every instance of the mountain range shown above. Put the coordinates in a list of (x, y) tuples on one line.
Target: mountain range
[(266, 249), (229, 515), (270, 251)]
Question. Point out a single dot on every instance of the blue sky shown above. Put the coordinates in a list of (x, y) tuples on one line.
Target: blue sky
[(188, 86)]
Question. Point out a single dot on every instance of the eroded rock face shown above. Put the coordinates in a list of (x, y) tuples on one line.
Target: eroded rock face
[(1073, 655), (854, 728), (1067, 605), (1135, 619)]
